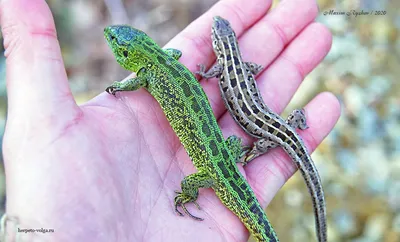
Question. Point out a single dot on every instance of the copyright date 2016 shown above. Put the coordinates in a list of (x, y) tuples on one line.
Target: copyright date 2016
[(354, 13)]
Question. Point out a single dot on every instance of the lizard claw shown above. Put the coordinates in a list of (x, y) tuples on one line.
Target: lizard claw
[(111, 90), (180, 201), (177, 211), (201, 70), (197, 205)]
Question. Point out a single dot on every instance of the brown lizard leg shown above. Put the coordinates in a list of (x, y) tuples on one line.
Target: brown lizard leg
[(296, 119)]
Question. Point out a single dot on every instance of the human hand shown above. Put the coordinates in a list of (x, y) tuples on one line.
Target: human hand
[(107, 170)]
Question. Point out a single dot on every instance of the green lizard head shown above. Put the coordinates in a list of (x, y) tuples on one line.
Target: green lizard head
[(131, 47)]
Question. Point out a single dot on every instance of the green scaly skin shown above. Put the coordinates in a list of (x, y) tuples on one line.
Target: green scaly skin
[(189, 112)]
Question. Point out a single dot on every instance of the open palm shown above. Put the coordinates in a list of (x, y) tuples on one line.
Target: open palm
[(107, 170)]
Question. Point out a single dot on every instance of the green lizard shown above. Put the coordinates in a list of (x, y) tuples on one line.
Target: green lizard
[(189, 112), (244, 102)]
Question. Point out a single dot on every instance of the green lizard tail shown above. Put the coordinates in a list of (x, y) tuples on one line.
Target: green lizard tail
[(242, 201)]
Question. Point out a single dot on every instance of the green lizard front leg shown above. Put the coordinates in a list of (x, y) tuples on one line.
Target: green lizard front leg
[(141, 78), (131, 84), (174, 53)]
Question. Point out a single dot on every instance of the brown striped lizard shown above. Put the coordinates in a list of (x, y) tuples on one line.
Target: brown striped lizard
[(245, 104)]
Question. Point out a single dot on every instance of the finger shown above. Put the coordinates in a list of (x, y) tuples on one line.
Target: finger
[(263, 42), (266, 39), (269, 172), (195, 42), (285, 74), (36, 77), (278, 84)]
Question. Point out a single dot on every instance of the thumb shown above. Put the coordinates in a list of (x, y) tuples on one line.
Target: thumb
[(37, 83)]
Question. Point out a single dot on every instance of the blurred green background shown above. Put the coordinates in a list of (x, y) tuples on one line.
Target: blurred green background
[(359, 162)]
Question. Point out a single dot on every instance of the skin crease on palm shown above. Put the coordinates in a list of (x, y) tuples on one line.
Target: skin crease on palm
[(107, 170)]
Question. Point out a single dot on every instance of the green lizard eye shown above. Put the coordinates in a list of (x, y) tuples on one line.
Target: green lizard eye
[(125, 53)]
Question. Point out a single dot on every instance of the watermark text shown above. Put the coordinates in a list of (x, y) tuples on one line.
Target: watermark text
[(41, 230), (354, 13)]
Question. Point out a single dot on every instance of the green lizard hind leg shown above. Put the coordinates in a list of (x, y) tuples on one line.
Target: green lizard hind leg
[(190, 191), (131, 84), (296, 119), (174, 53)]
